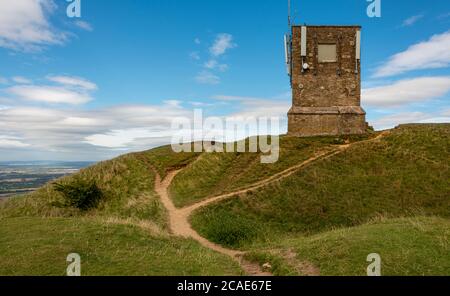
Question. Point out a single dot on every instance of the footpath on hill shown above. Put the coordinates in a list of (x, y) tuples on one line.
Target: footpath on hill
[(179, 218)]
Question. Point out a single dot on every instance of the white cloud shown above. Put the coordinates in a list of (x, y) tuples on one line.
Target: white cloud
[(64, 132), (122, 138), (84, 25), (59, 132), (5, 143), (222, 43), (412, 20), (73, 81), (201, 104), (3, 80), (173, 103), (407, 91), (8, 142), (431, 54), (197, 41), (21, 80), (24, 25), (222, 67), (443, 16), (80, 121), (228, 98), (436, 120), (70, 90), (211, 64), (91, 133), (258, 107), (49, 94), (194, 55), (391, 121), (206, 77)]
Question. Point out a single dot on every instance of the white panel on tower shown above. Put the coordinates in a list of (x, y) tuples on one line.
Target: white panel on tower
[(303, 41), (287, 52), (358, 45), (286, 48)]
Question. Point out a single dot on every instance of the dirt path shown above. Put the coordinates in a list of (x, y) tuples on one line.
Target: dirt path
[(273, 179), (179, 218), (180, 226), (277, 177)]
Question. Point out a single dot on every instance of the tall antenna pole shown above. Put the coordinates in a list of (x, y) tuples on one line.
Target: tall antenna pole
[(289, 14)]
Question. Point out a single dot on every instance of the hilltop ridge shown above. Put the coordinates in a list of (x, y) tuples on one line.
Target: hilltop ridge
[(322, 188)]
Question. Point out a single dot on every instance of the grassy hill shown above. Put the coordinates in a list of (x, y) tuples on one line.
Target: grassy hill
[(126, 183), (39, 246), (404, 174), (126, 234), (389, 196), (407, 246), (218, 173)]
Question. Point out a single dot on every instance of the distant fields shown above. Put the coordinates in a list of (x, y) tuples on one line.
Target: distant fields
[(23, 177)]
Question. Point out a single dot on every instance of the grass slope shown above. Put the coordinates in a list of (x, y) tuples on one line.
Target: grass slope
[(164, 160), (303, 218), (408, 247), (217, 173), (39, 246), (125, 235), (404, 174), (126, 182)]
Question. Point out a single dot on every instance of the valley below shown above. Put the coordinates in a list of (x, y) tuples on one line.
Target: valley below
[(18, 178)]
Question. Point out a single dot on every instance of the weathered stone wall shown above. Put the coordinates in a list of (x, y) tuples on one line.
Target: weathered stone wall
[(326, 121), (319, 91)]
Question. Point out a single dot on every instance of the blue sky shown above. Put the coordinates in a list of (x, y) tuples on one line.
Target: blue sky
[(94, 87)]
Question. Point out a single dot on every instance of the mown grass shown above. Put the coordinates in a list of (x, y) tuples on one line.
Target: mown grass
[(40, 246), (403, 174), (408, 247), (217, 173)]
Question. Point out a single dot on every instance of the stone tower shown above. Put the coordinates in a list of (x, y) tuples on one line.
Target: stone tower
[(325, 69)]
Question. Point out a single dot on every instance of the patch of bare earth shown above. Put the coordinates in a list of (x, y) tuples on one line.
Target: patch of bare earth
[(302, 267)]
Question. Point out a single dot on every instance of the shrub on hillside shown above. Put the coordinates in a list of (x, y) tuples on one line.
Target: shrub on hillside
[(80, 193), (231, 233)]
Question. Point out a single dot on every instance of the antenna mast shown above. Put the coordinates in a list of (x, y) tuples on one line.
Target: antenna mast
[(288, 43), (289, 14)]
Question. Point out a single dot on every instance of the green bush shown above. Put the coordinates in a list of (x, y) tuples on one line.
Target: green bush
[(231, 233), (338, 141), (80, 193)]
